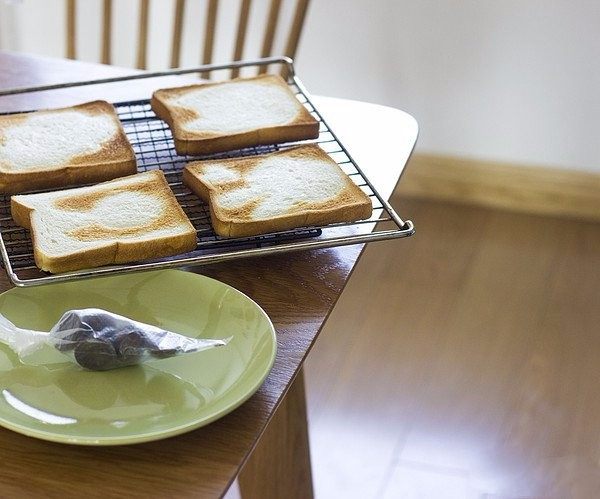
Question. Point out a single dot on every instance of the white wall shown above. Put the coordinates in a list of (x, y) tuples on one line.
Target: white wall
[(514, 80)]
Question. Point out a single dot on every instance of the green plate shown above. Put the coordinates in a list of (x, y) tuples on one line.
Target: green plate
[(63, 403)]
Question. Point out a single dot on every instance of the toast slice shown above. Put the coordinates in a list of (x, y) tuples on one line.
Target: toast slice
[(123, 220), (244, 112), (297, 187), (61, 147)]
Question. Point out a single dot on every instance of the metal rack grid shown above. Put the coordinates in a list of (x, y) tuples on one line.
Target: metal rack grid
[(153, 144)]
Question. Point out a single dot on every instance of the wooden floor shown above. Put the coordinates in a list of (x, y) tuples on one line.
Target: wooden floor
[(463, 362)]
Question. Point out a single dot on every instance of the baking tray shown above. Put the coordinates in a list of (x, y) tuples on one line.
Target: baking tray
[(154, 148)]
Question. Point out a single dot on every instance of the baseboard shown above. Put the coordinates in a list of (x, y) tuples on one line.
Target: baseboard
[(500, 185)]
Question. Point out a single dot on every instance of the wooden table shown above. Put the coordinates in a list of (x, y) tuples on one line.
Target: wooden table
[(264, 442)]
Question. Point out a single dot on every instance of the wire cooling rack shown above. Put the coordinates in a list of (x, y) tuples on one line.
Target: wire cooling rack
[(153, 144)]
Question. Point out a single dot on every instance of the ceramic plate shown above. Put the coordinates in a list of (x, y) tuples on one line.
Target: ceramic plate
[(63, 403)]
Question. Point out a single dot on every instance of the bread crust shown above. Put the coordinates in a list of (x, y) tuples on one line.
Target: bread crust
[(303, 126), (115, 251), (349, 205), (115, 159)]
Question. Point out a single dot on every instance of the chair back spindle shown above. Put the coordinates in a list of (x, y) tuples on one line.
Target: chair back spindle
[(142, 51), (208, 42), (209, 34), (177, 33), (240, 38), (269, 36), (71, 17), (294, 36), (106, 32)]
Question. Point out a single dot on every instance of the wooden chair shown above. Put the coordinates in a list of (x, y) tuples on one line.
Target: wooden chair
[(212, 7)]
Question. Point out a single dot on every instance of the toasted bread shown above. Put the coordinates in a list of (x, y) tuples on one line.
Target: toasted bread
[(62, 147), (222, 116), (297, 187), (123, 220)]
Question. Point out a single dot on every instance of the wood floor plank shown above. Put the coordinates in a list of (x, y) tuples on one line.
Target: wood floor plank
[(359, 401), (473, 377), (467, 357)]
